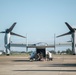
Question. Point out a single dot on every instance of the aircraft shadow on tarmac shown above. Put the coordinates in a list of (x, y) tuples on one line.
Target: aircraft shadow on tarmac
[(24, 61), (60, 65), (20, 60), (53, 65), (49, 65), (48, 70)]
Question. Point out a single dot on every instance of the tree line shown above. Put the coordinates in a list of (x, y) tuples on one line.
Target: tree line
[(67, 51)]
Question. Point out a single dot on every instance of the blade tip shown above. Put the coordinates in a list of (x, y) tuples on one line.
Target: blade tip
[(65, 22), (15, 22)]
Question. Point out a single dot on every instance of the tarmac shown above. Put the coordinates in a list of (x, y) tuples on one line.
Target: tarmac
[(20, 65)]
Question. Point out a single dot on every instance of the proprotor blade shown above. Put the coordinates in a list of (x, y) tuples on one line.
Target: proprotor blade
[(17, 35), (70, 28), (11, 28)]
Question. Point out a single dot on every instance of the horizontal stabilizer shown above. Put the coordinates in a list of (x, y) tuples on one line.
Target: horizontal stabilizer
[(11, 28), (64, 34), (70, 28), (17, 35)]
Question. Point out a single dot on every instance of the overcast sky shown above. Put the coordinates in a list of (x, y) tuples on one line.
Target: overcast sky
[(38, 19)]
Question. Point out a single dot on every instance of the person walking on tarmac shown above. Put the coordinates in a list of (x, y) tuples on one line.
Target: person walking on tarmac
[(49, 56)]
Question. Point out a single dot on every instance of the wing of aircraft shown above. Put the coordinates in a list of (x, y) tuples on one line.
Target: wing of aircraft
[(34, 46)]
